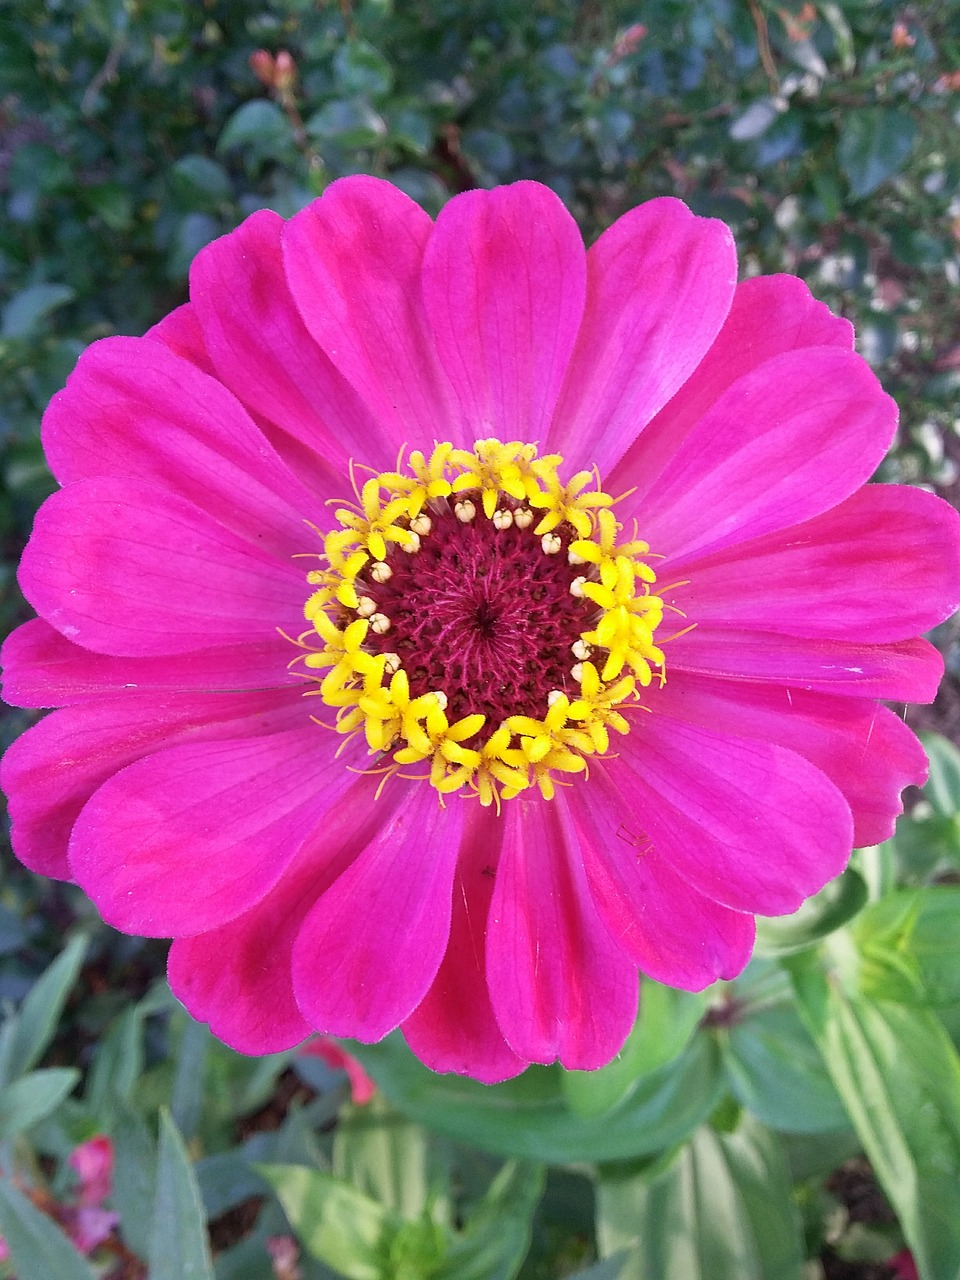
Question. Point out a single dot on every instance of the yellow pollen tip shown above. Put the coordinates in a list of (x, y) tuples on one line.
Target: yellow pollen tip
[(355, 663)]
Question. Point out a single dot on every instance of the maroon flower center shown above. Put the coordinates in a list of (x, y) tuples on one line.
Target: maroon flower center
[(484, 614)]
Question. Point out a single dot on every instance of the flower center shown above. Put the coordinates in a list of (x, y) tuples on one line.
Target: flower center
[(482, 619)]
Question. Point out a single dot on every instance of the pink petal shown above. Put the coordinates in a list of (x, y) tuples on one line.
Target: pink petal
[(560, 986), (908, 671), (867, 751), (453, 1027), (504, 278), (750, 825), (769, 315), (53, 769), (130, 408), (670, 931), (123, 567), (264, 354), (180, 333), (659, 284), (882, 566), (353, 261), (238, 977), (372, 945), (782, 444), (188, 839), (43, 669), (93, 1163), (328, 1050), (88, 1227)]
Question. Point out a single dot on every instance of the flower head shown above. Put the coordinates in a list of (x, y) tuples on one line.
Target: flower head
[(447, 623)]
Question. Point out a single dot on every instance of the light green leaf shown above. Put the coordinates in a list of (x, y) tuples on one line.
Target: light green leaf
[(385, 1156), (38, 1248), (777, 1074), (527, 1117), (348, 122), (135, 1176), (335, 1223), (186, 1102), (117, 1063), (199, 182), (33, 1097), (909, 944), (615, 1267), (825, 912), (875, 143), (37, 1018), (179, 1249), (362, 69), (943, 786), (899, 1077), (721, 1209), (667, 1020), (259, 128), (496, 1236), (24, 314)]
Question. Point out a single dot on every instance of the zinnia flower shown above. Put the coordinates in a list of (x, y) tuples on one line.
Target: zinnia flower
[(447, 623)]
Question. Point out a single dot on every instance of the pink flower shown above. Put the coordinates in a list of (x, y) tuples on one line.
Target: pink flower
[(285, 1256), (903, 1265), (81, 1217), (362, 1087), (565, 719), (92, 1161)]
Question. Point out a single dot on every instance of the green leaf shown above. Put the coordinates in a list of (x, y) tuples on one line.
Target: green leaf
[(39, 1250), (943, 786), (721, 1209), (909, 944), (528, 1117), (186, 1102), (411, 129), (899, 1077), (38, 1016), (260, 128), (362, 69), (496, 1236), (874, 144), (920, 845), (199, 183), (335, 1223), (134, 1176), (383, 1155), (348, 122), (776, 1073), (117, 1063), (667, 1020), (33, 1097), (615, 1267), (832, 907), (179, 1249), (24, 314)]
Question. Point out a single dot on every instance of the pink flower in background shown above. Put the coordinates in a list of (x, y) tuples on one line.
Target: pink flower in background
[(362, 1087), (92, 1161), (903, 1265), (447, 623), (81, 1216)]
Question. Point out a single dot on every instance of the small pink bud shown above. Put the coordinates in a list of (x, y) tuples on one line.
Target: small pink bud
[(285, 75), (285, 1253), (362, 1087), (263, 66), (93, 1163)]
